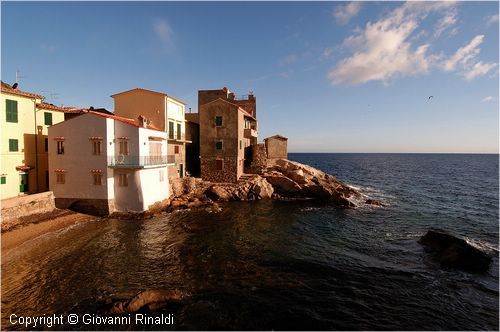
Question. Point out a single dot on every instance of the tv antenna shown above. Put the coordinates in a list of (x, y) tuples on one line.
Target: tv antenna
[(53, 95), (18, 75)]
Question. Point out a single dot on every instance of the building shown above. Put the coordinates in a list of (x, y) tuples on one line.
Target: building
[(101, 163), (24, 121), (193, 149), (276, 147), (164, 112), (228, 127)]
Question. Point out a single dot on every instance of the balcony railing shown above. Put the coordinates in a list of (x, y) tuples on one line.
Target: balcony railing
[(177, 136), (249, 133), (137, 161)]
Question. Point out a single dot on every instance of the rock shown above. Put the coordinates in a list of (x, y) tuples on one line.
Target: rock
[(218, 193), (374, 202), (282, 184), (297, 175), (455, 253), (149, 298), (261, 188)]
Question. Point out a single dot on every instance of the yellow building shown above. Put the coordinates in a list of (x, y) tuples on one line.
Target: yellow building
[(24, 121)]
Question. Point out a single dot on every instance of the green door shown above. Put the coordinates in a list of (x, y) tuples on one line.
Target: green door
[(24, 185), (181, 170)]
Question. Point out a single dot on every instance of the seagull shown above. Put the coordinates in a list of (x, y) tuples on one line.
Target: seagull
[(430, 97)]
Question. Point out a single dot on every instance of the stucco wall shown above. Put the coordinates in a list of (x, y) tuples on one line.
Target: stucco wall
[(133, 103), (78, 160)]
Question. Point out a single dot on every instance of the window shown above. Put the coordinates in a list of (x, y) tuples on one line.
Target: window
[(218, 121), (219, 164), (176, 149), (47, 118), (96, 147), (170, 130), (61, 178), (218, 145), (247, 124), (13, 145), (241, 144), (3, 179), (123, 180), (60, 147), (162, 176), (124, 148), (179, 131), (97, 179), (11, 108), (46, 145)]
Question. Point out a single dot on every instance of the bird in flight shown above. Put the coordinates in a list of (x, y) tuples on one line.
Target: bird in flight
[(430, 97)]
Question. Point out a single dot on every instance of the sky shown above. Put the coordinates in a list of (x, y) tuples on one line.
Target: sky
[(331, 76)]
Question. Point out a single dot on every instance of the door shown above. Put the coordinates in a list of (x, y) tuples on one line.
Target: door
[(181, 170), (24, 184)]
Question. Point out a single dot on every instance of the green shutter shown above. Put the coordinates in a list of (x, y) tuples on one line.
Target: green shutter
[(13, 145), (218, 120), (170, 130), (11, 108), (48, 118), (3, 180)]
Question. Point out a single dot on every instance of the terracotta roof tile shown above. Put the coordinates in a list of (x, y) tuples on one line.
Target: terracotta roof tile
[(7, 89)]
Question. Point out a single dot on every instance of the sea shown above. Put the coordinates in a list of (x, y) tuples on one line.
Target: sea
[(282, 265)]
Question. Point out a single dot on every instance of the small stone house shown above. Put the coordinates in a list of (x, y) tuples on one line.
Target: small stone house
[(276, 147)]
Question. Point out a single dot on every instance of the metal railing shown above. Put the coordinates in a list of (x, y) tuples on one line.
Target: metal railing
[(137, 161), (175, 135)]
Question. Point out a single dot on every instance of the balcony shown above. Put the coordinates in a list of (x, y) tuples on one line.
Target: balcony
[(123, 161), (177, 136), (250, 133)]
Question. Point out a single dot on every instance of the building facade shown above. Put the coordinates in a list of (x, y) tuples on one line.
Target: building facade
[(24, 123), (276, 147), (228, 127), (165, 113), (101, 163)]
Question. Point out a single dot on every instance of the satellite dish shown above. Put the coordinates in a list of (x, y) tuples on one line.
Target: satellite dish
[(14, 86)]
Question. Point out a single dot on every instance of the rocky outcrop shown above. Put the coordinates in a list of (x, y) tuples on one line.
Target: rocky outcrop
[(293, 179), (252, 188), (455, 253), (149, 300)]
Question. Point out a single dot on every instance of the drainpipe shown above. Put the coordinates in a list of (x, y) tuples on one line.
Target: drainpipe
[(36, 146)]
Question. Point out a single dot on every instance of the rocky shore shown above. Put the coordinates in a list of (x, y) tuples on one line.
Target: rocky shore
[(280, 179)]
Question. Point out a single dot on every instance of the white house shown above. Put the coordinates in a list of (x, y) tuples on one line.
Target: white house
[(165, 113), (105, 163)]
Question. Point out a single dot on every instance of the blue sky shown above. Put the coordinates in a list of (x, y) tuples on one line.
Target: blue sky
[(332, 76)]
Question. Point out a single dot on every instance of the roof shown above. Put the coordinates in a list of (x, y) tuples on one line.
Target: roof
[(233, 104), (131, 122), (128, 121), (150, 91), (52, 107), (6, 88), (278, 137)]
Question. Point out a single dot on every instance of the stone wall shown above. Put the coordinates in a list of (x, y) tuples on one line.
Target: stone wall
[(276, 147), (97, 207), (229, 171), (259, 158), (25, 209)]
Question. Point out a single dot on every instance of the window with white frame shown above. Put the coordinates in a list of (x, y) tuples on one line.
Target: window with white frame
[(97, 179), (123, 148)]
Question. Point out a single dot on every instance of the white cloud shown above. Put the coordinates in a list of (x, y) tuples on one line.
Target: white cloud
[(445, 23), (344, 13), (464, 60), (487, 99), (327, 52), (165, 33), (478, 69), (492, 19), (385, 49)]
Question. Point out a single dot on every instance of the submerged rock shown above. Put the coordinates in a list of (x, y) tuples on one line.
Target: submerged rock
[(456, 253), (149, 299)]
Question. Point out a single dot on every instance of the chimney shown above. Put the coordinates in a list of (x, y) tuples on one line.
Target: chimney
[(143, 122)]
